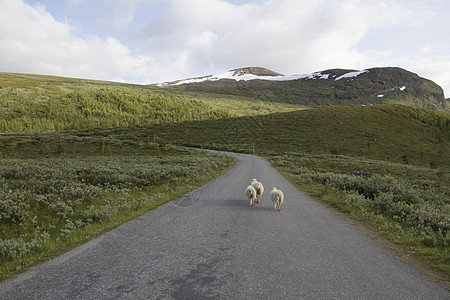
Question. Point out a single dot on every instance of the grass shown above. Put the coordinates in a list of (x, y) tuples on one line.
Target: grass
[(44, 103), (240, 106), (393, 133), (407, 205), (74, 189)]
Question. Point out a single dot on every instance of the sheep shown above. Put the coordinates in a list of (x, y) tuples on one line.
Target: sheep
[(259, 189), (250, 192), (277, 198)]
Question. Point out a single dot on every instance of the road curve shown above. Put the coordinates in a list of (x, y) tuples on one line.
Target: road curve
[(210, 244)]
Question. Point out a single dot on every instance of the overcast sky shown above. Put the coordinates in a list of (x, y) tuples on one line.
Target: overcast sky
[(148, 41)]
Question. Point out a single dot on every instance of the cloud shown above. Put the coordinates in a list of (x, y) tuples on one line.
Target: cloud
[(288, 35), (32, 41)]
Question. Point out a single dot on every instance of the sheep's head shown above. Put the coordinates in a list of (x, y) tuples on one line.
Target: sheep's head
[(273, 188), (254, 179)]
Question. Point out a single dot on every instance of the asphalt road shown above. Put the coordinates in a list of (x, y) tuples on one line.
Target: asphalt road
[(211, 245)]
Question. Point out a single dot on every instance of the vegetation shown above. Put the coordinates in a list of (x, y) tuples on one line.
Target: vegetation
[(44, 103), (393, 133), (408, 204), (56, 197)]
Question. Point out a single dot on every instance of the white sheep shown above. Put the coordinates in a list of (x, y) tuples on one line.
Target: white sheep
[(277, 198), (259, 189), (250, 192)]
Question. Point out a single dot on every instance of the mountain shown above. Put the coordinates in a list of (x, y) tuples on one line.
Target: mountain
[(387, 85)]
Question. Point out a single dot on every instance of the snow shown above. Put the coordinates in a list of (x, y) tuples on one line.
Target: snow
[(351, 74), (316, 75), (247, 77)]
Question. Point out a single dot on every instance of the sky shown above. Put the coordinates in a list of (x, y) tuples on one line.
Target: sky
[(151, 41)]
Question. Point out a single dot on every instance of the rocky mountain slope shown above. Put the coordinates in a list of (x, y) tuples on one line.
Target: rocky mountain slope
[(324, 88)]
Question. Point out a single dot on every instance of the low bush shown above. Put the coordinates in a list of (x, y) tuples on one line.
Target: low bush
[(63, 193), (403, 198)]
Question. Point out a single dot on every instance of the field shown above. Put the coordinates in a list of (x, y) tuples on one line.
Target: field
[(58, 196)]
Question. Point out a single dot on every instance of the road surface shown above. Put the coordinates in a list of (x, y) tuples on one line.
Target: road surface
[(210, 244)]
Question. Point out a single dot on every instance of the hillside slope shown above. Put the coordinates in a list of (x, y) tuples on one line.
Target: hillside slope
[(393, 133), (329, 87), (41, 103)]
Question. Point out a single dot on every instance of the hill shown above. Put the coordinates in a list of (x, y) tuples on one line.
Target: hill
[(393, 133), (41, 103), (324, 88)]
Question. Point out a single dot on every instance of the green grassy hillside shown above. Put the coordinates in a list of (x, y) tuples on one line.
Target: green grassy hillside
[(43, 103), (377, 86), (393, 133)]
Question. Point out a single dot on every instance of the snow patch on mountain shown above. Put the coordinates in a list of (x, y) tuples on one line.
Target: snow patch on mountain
[(351, 74), (238, 76), (247, 77)]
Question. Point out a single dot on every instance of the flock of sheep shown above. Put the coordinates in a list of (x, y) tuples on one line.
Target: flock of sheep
[(255, 190)]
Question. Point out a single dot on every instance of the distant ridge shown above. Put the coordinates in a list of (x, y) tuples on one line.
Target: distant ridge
[(323, 88)]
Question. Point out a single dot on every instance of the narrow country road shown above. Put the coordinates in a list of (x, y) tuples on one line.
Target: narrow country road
[(210, 244)]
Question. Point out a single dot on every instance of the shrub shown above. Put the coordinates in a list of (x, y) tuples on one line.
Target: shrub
[(410, 201)]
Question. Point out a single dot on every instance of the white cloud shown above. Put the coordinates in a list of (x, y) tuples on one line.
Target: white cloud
[(288, 35), (32, 41)]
